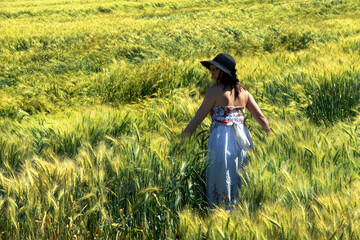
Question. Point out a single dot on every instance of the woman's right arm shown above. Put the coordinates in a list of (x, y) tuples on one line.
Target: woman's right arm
[(255, 110), (203, 110)]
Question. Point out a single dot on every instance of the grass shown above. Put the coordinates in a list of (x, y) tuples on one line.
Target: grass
[(94, 96)]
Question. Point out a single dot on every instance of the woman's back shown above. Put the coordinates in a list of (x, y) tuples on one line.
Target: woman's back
[(226, 97)]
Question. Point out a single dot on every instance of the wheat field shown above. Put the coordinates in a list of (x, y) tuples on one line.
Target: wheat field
[(94, 96)]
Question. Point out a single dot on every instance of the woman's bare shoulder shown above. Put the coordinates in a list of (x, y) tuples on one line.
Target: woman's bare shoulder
[(243, 91), (215, 89)]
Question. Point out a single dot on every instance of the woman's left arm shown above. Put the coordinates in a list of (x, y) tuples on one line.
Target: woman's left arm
[(201, 113)]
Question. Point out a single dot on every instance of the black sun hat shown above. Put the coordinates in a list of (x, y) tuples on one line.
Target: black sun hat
[(224, 62)]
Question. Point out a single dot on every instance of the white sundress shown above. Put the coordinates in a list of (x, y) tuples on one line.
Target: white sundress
[(229, 141)]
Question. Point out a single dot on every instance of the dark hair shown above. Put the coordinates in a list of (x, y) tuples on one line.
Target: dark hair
[(231, 81)]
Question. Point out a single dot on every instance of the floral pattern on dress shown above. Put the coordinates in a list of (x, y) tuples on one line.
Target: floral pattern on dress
[(219, 198), (226, 115)]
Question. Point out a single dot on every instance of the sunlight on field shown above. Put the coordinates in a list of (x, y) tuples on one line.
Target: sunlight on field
[(94, 96)]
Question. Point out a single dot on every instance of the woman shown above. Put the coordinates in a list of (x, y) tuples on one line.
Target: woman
[(229, 137)]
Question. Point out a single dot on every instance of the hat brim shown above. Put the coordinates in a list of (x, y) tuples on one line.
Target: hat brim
[(207, 64)]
